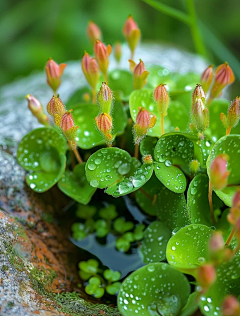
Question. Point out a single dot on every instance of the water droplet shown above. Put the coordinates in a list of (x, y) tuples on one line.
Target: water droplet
[(193, 191), (151, 268), (32, 185), (168, 163), (98, 161), (94, 183), (91, 166), (201, 260)]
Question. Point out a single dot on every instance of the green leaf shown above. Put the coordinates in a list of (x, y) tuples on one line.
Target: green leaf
[(113, 288), (178, 116), (123, 243), (111, 275), (75, 185), (154, 244), (171, 209), (157, 75), (188, 248), (42, 152), (171, 177), (102, 228), (94, 287), (147, 146), (78, 97), (155, 289), (121, 82), (192, 305), (107, 166), (87, 135), (226, 194), (90, 266), (146, 196), (138, 232), (108, 212), (86, 211), (121, 226)]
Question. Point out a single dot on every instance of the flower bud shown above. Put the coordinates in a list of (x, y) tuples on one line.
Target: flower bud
[(143, 122), (230, 306), (194, 166), (233, 115), (147, 159), (198, 93), (36, 108), (132, 33), (200, 115), (104, 98), (139, 74), (102, 53), (206, 276), (233, 215), (68, 128), (54, 73), (216, 242), (93, 32), (218, 172), (56, 108), (161, 97), (90, 70), (223, 77), (118, 51), (104, 124), (206, 78)]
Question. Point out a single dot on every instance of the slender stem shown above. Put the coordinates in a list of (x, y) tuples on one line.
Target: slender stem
[(230, 237), (93, 96), (146, 194), (136, 150), (105, 78), (196, 34), (76, 153), (211, 203), (162, 124), (228, 130), (174, 13), (132, 55), (109, 144)]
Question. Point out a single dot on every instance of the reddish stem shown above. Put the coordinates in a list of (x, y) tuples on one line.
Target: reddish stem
[(211, 203), (136, 150), (230, 237), (228, 130), (78, 157)]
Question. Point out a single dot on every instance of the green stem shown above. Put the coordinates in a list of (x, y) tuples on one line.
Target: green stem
[(196, 33)]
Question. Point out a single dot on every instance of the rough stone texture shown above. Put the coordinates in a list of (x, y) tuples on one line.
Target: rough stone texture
[(36, 252)]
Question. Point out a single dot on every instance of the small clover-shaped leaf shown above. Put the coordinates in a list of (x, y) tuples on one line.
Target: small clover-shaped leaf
[(138, 232), (113, 288), (94, 287), (111, 275), (75, 185), (123, 243), (86, 211), (121, 226), (102, 228), (79, 231), (108, 212), (188, 248), (90, 266), (154, 244), (156, 289), (42, 152)]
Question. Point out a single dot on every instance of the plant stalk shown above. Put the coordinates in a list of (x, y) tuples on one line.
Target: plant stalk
[(211, 203), (162, 124), (136, 150), (230, 237), (78, 157), (228, 130)]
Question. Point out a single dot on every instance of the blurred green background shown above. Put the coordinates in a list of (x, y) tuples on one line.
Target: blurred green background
[(31, 31)]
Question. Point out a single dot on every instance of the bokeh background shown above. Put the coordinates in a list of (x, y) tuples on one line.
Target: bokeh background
[(31, 31)]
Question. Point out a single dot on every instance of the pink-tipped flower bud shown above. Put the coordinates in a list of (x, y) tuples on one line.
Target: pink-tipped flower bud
[(230, 306), (199, 115), (93, 32), (36, 108), (104, 124), (56, 108), (144, 121), (68, 128), (102, 53), (118, 51), (206, 78), (54, 73), (232, 117), (161, 97), (218, 172), (147, 159), (132, 33), (91, 70), (216, 242), (223, 77), (140, 74), (234, 214), (206, 276), (198, 93), (104, 98)]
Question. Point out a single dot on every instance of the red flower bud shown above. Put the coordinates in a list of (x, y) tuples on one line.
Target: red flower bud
[(93, 32), (104, 124), (218, 172), (102, 53), (200, 115), (143, 118), (91, 70), (206, 276), (68, 128), (216, 242), (234, 215), (104, 98), (139, 74), (198, 93), (148, 159), (144, 121), (223, 77), (230, 306), (118, 51), (206, 78), (132, 33), (36, 108), (54, 73), (233, 114), (161, 97)]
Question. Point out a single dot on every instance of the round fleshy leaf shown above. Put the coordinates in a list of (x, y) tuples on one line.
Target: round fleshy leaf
[(179, 116), (75, 185), (113, 288), (132, 183), (107, 166), (226, 194), (154, 243), (111, 275), (206, 146), (153, 290), (78, 97), (146, 196), (171, 177), (188, 248), (147, 146), (171, 209), (121, 82), (191, 306), (157, 75), (87, 134)]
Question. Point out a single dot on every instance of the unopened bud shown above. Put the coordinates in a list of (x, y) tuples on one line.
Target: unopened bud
[(206, 276), (36, 108), (104, 98), (216, 242), (93, 32), (223, 77), (198, 93), (194, 166), (218, 172), (132, 33), (140, 74), (230, 306), (199, 115), (161, 97), (90, 70), (234, 213), (144, 121), (206, 78), (56, 108), (104, 124), (102, 53), (147, 159), (54, 73), (118, 51), (68, 128), (233, 114)]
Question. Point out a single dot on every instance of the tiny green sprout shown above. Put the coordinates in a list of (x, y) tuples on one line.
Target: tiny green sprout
[(90, 266), (138, 232), (194, 166), (113, 288), (121, 226), (95, 287), (112, 276), (86, 211), (123, 243), (108, 212), (102, 227), (79, 231)]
